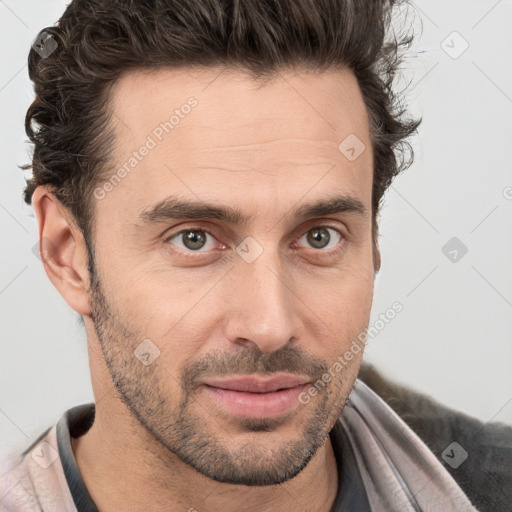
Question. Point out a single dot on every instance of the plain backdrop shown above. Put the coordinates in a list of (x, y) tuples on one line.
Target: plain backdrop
[(453, 338)]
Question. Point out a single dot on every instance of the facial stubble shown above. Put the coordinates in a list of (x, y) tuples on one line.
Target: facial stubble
[(189, 432)]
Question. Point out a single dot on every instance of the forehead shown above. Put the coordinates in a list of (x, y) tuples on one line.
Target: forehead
[(305, 103), (208, 133)]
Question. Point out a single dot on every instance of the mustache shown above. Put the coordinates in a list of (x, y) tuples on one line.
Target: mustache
[(250, 361)]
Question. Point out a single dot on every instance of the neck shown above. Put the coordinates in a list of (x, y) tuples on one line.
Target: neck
[(125, 457)]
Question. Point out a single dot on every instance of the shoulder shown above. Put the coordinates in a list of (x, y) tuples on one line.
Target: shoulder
[(486, 474), (34, 480), (17, 491)]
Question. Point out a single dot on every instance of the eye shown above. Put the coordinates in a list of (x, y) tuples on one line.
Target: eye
[(193, 240), (320, 237)]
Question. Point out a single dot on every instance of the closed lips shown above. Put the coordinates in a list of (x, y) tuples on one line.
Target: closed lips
[(254, 385)]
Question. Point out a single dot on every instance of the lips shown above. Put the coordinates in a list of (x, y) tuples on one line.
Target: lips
[(257, 397), (257, 384)]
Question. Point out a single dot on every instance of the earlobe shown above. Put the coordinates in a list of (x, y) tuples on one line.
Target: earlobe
[(62, 249)]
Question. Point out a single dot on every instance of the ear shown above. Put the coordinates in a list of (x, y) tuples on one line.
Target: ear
[(376, 259), (62, 249)]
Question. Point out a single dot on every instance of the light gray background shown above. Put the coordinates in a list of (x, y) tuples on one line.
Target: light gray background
[(453, 338)]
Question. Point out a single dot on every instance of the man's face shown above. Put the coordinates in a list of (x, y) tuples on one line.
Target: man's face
[(275, 291)]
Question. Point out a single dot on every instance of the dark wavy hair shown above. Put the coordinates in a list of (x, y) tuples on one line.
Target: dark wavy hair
[(97, 41)]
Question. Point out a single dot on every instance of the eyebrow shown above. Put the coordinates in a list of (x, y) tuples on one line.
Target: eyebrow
[(173, 208)]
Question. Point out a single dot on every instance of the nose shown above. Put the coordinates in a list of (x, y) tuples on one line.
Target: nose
[(263, 306)]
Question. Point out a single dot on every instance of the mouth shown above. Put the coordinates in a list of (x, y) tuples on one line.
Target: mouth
[(255, 397)]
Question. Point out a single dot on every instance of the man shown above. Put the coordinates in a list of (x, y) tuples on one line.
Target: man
[(207, 179)]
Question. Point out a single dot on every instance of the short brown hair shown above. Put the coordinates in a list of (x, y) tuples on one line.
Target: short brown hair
[(99, 40)]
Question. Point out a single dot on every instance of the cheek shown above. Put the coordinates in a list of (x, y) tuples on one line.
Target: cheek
[(176, 315), (344, 298), (344, 306)]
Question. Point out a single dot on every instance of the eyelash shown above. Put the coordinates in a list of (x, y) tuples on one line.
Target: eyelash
[(332, 252)]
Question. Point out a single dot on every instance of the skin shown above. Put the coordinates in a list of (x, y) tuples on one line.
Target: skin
[(158, 438)]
